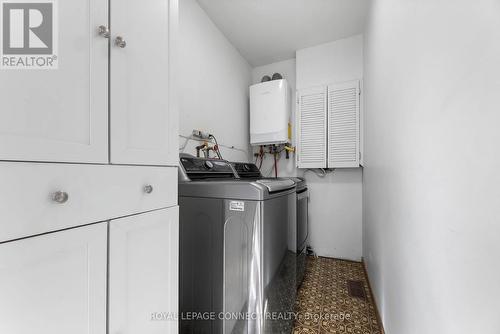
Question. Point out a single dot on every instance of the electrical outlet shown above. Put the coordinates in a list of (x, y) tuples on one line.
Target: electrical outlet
[(200, 134)]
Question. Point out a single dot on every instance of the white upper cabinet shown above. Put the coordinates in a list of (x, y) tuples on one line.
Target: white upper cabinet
[(55, 283), (143, 124), (328, 126), (143, 273), (343, 125), (61, 114), (311, 128)]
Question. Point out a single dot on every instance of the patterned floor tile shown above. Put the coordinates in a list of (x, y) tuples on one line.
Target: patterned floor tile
[(324, 304)]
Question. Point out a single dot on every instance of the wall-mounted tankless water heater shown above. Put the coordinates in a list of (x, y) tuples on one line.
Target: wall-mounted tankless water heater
[(269, 112)]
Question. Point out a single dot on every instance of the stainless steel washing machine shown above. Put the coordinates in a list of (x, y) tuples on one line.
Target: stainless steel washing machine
[(250, 171), (237, 264)]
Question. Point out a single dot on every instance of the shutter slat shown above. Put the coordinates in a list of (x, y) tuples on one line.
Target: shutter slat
[(312, 122), (343, 122)]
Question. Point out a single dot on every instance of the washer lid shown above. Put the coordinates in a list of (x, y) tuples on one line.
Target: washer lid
[(275, 185)]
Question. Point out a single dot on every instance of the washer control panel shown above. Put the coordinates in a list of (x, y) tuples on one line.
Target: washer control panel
[(202, 168)]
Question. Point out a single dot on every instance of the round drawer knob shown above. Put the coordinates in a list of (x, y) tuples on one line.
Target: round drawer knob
[(60, 197), (148, 189), (120, 42)]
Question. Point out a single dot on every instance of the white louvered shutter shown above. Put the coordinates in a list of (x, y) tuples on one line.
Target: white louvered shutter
[(311, 124), (343, 125)]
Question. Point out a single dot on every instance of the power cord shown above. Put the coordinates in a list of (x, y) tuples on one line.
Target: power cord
[(324, 172), (216, 147)]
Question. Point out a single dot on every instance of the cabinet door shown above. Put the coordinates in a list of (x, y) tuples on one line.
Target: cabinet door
[(61, 114), (143, 273), (343, 125), (311, 128), (55, 283), (143, 116)]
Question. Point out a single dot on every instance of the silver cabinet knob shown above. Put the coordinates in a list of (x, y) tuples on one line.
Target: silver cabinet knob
[(60, 197), (148, 189), (120, 42), (103, 31)]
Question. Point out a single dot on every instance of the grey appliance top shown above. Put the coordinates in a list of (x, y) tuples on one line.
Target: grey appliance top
[(250, 171), (300, 182), (214, 178), (192, 168), (274, 185)]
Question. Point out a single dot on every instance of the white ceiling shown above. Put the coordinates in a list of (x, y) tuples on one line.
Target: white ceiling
[(266, 31)]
